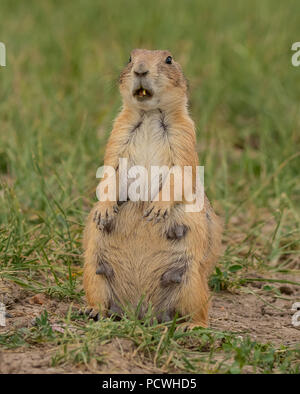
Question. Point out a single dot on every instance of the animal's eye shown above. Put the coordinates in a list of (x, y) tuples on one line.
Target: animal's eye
[(169, 60), (129, 60)]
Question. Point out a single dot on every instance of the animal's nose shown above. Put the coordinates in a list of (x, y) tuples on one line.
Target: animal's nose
[(141, 70)]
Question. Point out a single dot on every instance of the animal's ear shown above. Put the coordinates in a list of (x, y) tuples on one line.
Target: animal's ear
[(167, 53), (134, 51), (183, 78)]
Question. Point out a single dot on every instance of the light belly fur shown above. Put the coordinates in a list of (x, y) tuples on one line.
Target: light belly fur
[(138, 252)]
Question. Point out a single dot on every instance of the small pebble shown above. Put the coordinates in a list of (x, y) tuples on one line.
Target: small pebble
[(37, 299), (286, 290)]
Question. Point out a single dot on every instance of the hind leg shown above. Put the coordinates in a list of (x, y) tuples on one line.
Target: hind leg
[(194, 299), (96, 290), (184, 289), (202, 243), (95, 271)]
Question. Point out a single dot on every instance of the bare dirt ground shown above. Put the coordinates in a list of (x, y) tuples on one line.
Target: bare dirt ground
[(265, 319)]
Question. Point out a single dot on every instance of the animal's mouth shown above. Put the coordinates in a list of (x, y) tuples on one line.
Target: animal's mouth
[(142, 93)]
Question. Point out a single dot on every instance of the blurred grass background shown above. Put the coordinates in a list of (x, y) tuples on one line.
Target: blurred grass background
[(59, 96)]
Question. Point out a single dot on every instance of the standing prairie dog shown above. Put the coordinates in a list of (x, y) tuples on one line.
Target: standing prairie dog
[(152, 251)]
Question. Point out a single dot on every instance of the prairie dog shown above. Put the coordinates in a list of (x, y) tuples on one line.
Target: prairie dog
[(151, 250)]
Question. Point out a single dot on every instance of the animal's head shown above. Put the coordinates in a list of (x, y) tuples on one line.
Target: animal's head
[(151, 80)]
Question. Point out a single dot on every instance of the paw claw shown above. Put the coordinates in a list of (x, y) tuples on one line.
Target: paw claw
[(92, 313), (104, 217), (156, 213), (147, 212)]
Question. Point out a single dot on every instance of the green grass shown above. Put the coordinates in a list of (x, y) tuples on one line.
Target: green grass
[(167, 349), (58, 97)]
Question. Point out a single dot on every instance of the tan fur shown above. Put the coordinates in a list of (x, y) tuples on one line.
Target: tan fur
[(138, 250)]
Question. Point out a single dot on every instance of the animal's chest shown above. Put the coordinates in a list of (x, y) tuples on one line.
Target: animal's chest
[(149, 144)]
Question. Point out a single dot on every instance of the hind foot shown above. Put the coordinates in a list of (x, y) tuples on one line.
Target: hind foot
[(115, 310), (166, 316), (91, 312)]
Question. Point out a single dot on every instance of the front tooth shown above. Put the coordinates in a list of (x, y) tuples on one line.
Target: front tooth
[(144, 92)]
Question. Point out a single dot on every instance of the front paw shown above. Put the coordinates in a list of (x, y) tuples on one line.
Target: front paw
[(157, 212), (105, 215)]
